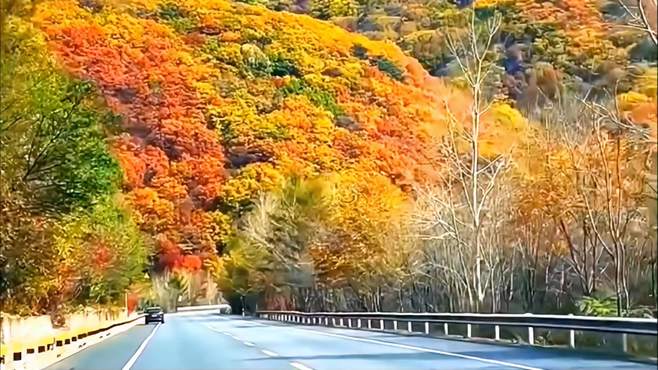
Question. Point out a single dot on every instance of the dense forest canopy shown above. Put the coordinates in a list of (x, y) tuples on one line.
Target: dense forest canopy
[(492, 156)]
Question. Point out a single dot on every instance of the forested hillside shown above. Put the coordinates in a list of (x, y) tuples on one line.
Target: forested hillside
[(362, 155)]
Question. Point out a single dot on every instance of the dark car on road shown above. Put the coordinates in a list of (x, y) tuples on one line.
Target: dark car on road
[(154, 314)]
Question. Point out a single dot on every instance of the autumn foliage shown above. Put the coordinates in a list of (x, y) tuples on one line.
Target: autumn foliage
[(292, 161), (220, 101)]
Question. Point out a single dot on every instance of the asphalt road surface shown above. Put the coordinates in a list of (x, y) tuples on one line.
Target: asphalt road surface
[(206, 341)]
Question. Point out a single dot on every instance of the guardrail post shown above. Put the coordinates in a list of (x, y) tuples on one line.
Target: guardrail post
[(572, 337), (17, 359), (573, 325)]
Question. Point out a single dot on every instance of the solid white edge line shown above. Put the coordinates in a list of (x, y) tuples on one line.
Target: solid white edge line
[(299, 366), (270, 353), (85, 345), (429, 350), (141, 349)]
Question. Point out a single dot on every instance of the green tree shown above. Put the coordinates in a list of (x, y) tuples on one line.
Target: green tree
[(270, 252), (64, 237), (52, 138)]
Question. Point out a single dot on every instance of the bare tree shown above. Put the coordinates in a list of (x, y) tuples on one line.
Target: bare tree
[(606, 168), (476, 175), (642, 16)]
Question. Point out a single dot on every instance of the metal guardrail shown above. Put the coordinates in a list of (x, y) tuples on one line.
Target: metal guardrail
[(376, 321)]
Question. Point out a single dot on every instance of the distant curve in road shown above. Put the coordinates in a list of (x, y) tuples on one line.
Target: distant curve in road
[(206, 341)]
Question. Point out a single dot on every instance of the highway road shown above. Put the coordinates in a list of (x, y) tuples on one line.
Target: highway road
[(206, 341)]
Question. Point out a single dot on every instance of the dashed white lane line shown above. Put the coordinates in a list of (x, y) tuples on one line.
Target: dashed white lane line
[(299, 366), (222, 332), (421, 349), (141, 349), (249, 344)]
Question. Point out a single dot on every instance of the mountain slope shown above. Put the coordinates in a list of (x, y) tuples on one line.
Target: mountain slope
[(222, 100)]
